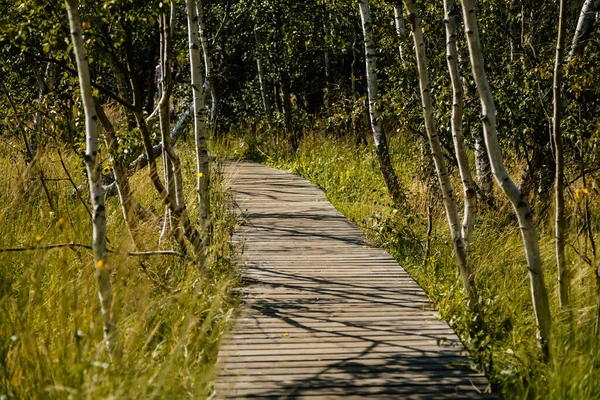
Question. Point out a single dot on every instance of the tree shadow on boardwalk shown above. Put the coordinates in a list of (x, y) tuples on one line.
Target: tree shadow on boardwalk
[(324, 314), (381, 351)]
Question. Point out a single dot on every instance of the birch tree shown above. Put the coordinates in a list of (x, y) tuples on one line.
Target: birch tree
[(482, 167), (209, 83), (469, 189), (559, 197), (399, 23), (202, 160), (172, 163), (585, 26), (46, 84), (381, 147), (512, 192), (450, 206), (93, 173), (129, 204), (262, 79), (209, 87)]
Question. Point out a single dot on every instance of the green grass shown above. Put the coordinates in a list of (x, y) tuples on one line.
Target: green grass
[(350, 177), (170, 313)]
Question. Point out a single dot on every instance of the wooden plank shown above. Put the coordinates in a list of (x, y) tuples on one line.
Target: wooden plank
[(407, 365), (324, 314)]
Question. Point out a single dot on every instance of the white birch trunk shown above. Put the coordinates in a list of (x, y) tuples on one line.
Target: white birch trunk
[(261, 79), (209, 85), (93, 172), (482, 167), (202, 160), (519, 202), (46, 86), (438, 156), (469, 189), (559, 197), (172, 163), (585, 25), (46, 83), (128, 203), (385, 163), (399, 22), (164, 123)]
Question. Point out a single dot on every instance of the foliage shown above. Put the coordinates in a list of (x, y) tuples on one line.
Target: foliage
[(50, 331)]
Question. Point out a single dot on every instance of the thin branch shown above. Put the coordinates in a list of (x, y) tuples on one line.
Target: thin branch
[(214, 40), (47, 247), (77, 193), (584, 257), (101, 88), (582, 174), (73, 245), (21, 128), (154, 253)]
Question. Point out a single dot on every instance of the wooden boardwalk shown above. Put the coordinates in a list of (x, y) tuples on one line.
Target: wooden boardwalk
[(324, 314)]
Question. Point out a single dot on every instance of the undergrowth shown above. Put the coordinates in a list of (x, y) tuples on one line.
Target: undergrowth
[(170, 313), (507, 348)]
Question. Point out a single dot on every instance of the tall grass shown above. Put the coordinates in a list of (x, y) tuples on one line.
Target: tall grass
[(170, 313), (350, 177)]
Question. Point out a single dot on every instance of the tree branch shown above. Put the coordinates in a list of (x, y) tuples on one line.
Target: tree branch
[(101, 88), (73, 245)]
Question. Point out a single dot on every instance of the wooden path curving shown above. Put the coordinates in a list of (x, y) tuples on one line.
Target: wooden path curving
[(324, 314)]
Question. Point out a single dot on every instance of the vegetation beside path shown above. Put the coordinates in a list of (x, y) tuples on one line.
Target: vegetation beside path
[(507, 349), (170, 314)]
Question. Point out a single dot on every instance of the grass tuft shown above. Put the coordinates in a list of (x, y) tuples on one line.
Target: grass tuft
[(170, 313)]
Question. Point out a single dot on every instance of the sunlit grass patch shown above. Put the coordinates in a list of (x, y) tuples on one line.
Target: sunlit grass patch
[(170, 312), (350, 177)]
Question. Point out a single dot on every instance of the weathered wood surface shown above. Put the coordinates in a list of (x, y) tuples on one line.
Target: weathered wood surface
[(326, 315)]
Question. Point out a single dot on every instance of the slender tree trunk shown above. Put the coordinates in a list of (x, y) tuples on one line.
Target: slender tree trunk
[(597, 324), (469, 188), (429, 231), (381, 148), (164, 115), (191, 233), (261, 80), (209, 85), (93, 172), (142, 160), (46, 85), (172, 163), (464, 266), (287, 110), (277, 96), (169, 200), (585, 27), (326, 61), (399, 22), (559, 197), (202, 160), (150, 84), (483, 169), (123, 90), (519, 202), (128, 203), (359, 135)]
